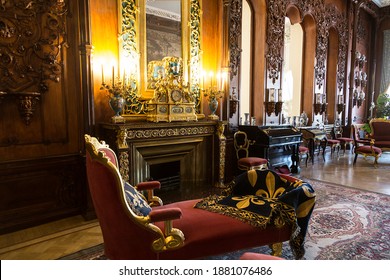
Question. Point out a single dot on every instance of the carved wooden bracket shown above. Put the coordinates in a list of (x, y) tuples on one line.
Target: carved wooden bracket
[(340, 108), (317, 108), (27, 104), (278, 107), (270, 107)]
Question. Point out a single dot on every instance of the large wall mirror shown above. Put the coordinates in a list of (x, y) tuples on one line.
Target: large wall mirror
[(154, 29)]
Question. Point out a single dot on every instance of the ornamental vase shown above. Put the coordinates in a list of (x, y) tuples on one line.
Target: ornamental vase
[(116, 103), (213, 105)]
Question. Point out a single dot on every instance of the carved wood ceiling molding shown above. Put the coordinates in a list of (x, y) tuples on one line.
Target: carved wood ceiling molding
[(32, 35)]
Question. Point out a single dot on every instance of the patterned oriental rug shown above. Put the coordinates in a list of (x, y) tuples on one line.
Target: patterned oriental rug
[(346, 224)]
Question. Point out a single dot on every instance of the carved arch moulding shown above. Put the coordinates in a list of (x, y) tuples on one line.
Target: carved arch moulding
[(325, 18), (32, 38)]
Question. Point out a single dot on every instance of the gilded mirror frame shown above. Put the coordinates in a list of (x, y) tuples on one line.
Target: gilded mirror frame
[(132, 40)]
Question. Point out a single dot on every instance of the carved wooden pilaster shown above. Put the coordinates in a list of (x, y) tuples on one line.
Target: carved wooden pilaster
[(234, 20), (222, 154), (275, 38)]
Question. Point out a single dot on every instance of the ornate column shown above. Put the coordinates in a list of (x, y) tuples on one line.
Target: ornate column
[(222, 154)]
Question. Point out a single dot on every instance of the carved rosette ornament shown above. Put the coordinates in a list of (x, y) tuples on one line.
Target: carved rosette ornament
[(32, 37)]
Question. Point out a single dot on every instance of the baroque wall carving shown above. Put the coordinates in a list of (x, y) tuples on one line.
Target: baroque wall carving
[(32, 35), (235, 11), (324, 17)]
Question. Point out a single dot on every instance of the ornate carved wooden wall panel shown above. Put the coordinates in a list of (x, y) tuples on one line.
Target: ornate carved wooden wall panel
[(325, 18), (41, 163)]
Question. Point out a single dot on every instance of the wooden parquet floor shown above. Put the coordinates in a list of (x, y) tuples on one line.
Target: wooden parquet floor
[(60, 238)]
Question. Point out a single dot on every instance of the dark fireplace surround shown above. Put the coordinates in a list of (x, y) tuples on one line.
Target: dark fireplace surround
[(190, 148)]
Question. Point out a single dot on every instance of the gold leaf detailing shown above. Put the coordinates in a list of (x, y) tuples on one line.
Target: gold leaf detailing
[(304, 208), (243, 204), (307, 192), (270, 182), (252, 177), (245, 201)]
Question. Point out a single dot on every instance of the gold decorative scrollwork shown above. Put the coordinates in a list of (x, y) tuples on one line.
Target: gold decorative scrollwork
[(132, 42)]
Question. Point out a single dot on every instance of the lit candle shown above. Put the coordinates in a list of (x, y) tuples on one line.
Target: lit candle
[(124, 78), (220, 109), (223, 81), (113, 76), (102, 75), (211, 74), (219, 83)]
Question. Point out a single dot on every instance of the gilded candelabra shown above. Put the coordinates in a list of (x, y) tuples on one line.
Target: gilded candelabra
[(120, 92), (213, 95)]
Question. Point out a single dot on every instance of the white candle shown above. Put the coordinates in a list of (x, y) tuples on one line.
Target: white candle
[(102, 75), (211, 74), (113, 76), (220, 109)]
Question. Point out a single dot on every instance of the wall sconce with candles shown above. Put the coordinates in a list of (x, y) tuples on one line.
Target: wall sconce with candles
[(271, 106), (358, 97), (233, 103), (320, 105), (340, 104), (360, 78)]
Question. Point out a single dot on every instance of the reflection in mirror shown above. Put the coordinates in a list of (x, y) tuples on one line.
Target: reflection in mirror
[(292, 69), (163, 29), (163, 35)]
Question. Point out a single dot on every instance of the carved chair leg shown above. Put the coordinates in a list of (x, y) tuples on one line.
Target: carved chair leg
[(276, 249), (356, 155)]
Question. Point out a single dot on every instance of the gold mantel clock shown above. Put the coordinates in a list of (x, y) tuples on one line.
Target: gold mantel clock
[(172, 101)]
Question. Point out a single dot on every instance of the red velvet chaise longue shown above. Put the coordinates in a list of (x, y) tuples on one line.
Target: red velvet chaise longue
[(259, 208)]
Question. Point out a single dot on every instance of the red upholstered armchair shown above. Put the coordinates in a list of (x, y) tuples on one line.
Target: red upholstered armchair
[(134, 230), (380, 133)]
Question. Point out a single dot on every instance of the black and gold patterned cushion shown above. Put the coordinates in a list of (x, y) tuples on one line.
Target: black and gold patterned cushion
[(265, 183), (262, 197)]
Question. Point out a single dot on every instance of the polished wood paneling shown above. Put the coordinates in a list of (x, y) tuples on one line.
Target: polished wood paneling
[(41, 163), (34, 192)]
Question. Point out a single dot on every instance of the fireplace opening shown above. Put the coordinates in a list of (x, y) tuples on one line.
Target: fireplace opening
[(168, 173)]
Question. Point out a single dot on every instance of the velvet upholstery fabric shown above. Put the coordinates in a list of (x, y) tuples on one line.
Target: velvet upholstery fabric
[(380, 133), (368, 150), (251, 161)]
